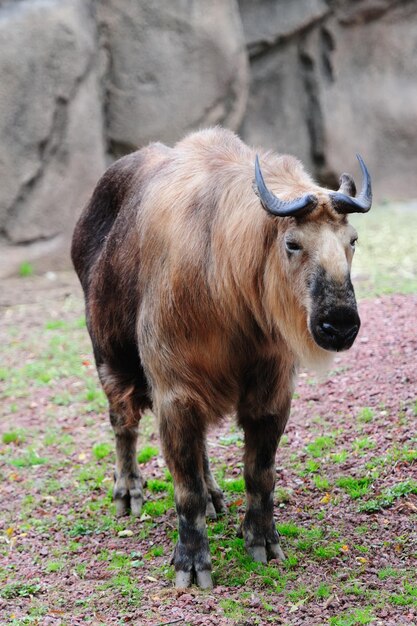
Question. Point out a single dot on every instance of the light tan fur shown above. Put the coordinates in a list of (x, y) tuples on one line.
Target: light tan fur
[(247, 273)]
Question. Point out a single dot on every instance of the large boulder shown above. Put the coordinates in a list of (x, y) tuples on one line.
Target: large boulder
[(52, 148), (276, 116), (367, 99), (268, 22), (172, 67), (279, 113)]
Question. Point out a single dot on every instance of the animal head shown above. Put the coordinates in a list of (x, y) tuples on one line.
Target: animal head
[(318, 245)]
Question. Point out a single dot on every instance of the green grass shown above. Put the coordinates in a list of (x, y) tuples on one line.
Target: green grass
[(406, 597), (386, 255), (389, 495), (232, 608), (366, 415), (101, 450), (125, 586), (158, 486), (323, 591), (25, 269), (20, 590), (354, 487), (321, 482), (13, 436), (320, 446), (233, 485), (389, 572), (29, 458), (147, 453), (54, 566), (353, 618)]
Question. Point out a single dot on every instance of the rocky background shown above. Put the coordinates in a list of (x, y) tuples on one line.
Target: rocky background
[(83, 82)]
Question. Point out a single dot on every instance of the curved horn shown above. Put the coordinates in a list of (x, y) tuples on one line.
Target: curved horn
[(344, 203), (272, 204)]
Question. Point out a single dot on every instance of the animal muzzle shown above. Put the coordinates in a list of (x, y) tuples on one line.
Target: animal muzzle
[(337, 329)]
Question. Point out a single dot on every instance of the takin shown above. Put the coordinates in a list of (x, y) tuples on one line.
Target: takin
[(206, 289)]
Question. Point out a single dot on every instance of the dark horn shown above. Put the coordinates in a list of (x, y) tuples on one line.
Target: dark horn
[(272, 204), (344, 203)]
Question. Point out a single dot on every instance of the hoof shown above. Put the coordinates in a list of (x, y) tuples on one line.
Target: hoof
[(210, 510), (201, 578), (128, 495), (204, 580), (182, 579), (274, 551), (258, 553)]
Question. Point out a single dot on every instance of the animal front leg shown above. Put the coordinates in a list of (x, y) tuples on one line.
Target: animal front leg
[(128, 487), (183, 444), (258, 527)]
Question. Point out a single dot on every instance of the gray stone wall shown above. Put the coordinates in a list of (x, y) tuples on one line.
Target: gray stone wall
[(85, 81)]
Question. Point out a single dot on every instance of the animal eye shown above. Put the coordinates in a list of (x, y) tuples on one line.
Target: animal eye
[(293, 246), (353, 242)]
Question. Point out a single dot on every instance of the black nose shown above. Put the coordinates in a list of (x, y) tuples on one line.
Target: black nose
[(340, 332), (337, 330)]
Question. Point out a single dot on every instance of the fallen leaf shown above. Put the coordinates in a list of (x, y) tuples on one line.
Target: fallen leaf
[(325, 499), (361, 560), (15, 477), (237, 502), (345, 548), (125, 533)]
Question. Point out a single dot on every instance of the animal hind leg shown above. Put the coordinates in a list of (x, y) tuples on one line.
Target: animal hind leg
[(128, 397), (128, 484), (215, 499)]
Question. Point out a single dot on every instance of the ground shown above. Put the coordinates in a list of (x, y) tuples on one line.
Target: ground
[(346, 494)]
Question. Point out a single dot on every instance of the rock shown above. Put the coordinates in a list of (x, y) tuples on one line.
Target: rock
[(172, 67), (277, 116), (52, 150), (266, 22), (368, 104)]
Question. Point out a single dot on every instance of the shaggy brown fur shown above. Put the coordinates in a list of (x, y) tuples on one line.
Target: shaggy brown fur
[(195, 309)]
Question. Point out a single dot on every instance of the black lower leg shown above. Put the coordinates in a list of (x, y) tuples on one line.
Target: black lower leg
[(128, 491), (258, 528), (183, 449)]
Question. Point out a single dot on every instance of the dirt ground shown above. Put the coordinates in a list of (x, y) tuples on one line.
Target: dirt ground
[(346, 493)]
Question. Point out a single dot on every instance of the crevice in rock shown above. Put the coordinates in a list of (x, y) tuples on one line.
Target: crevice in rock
[(112, 147), (314, 118), (314, 112), (327, 45), (368, 11), (48, 149), (264, 46)]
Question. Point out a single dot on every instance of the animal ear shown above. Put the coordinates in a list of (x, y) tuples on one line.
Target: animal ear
[(272, 204), (347, 185)]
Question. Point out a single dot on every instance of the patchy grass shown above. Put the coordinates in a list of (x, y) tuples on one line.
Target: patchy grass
[(389, 496), (345, 497), (147, 453), (386, 255)]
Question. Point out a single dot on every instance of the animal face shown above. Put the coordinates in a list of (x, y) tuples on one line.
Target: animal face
[(319, 245), (319, 256)]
